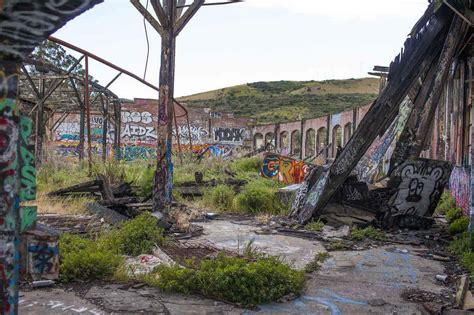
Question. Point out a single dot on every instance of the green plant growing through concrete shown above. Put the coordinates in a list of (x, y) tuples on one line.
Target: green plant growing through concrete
[(134, 237), (368, 232), (459, 226), (463, 247), (231, 279), (314, 226), (316, 263)]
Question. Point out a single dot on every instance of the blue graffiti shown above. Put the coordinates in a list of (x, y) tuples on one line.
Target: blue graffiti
[(43, 257), (137, 152)]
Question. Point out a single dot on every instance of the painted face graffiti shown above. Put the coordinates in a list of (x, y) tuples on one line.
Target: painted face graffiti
[(284, 169)]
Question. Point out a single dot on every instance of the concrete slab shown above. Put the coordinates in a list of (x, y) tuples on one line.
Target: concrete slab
[(234, 236)]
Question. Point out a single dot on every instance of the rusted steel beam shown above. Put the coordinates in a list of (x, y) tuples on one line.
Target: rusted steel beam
[(88, 112)]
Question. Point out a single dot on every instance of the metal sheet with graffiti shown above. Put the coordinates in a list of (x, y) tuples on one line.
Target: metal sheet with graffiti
[(284, 169)]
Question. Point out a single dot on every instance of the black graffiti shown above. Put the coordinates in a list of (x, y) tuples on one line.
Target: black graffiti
[(25, 24), (229, 134)]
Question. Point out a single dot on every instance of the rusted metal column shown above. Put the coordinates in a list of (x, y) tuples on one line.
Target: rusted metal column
[(105, 122), (190, 135), (88, 112)]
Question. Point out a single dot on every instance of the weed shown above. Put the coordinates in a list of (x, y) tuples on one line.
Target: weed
[(314, 226), (231, 279), (368, 232), (315, 264), (134, 237), (248, 164), (82, 259), (459, 225), (336, 245), (446, 203), (220, 197), (467, 260), (453, 214), (462, 243)]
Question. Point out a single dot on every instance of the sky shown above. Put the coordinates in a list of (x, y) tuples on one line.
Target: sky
[(256, 40)]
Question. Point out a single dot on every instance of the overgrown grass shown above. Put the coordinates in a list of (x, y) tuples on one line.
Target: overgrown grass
[(368, 232), (231, 279), (453, 214), (259, 197), (220, 197), (459, 226)]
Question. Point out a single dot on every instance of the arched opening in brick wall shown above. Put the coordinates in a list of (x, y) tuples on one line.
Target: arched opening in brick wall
[(269, 140), (284, 142), (258, 141), (321, 139), (347, 132), (295, 142), (310, 143), (336, 139)]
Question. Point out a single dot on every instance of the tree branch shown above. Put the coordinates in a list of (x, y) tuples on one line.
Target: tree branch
[(160, 13), (179, 7), (147, 15), (181, 23)]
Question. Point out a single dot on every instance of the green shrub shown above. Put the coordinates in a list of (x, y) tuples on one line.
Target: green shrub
[(221, 197), (459, 225), (82, 259), (257, 198), (134, 237), (453, 214), (315, 226), (368, 232), (446, 203), (467, 260), (231, 279)]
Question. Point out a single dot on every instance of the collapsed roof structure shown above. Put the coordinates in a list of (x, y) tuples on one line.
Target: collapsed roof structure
[(435, 50)]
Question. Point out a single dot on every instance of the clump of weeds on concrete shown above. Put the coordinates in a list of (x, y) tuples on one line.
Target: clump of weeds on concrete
[(317, 262), (91, 259), (446, 203), (246, 282), (368, 232), (134, 237), (463, 247), (459, 225), (453, 214), (258, 197), (314, 226)]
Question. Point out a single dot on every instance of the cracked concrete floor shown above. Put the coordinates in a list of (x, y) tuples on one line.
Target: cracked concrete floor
[(350, 282)]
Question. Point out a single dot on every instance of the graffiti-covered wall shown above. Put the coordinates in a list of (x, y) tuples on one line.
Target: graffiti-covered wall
[(212, 133)]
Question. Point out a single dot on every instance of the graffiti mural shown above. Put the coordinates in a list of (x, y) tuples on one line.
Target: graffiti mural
[(284, 169), (421, 184), (43, 259), (198, 134), (459, 187), (234, 135)]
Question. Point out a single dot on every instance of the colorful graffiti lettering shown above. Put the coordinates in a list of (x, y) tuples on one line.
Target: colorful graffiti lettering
[(459, 187), (134, 152), (284, 169), (43, 259), (198, 134), (229, 134)]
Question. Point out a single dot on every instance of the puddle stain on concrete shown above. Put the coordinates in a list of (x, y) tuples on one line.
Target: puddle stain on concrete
[(326, 298), (58, 305)]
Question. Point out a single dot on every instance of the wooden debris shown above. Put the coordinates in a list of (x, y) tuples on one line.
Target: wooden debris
[(461, 288)]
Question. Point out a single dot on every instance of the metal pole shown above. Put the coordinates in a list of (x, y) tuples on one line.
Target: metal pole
[(177, 136), (88, 112), (190, 136)]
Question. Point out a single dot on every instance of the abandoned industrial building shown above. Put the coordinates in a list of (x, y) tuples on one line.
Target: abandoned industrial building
[(337, 196)]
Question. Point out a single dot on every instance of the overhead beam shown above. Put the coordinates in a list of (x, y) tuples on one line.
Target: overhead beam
[(187, 16)]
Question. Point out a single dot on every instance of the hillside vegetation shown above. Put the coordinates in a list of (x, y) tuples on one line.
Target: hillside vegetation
[(281, 101)]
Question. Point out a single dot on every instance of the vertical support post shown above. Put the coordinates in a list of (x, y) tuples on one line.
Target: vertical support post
[(40, 122), (354, 120), (88, 111), (82, 127), (303, 140), (105, 123), (163, 188), (276, 133), (328, 132), (177, 135), (190, 136), (9, 186)]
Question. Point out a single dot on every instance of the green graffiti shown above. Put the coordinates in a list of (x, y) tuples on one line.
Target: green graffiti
[(9, 106), (27, 217), (27, 163), (26, 127)]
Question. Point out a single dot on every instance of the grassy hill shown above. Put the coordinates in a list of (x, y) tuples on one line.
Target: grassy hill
[(281, 101)]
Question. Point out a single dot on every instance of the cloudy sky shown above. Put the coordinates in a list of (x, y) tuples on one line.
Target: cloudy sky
[(257, 40)]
